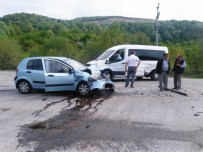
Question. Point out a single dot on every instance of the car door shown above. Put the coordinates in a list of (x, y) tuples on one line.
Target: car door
[(35, 73), (58, 76), (117, 63)]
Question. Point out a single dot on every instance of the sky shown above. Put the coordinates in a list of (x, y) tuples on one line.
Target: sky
[(71, 9)]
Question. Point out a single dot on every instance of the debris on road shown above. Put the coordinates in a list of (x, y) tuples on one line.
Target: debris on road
[(176, 91)]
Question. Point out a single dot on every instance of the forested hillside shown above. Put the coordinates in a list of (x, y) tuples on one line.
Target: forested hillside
[(83, 39)]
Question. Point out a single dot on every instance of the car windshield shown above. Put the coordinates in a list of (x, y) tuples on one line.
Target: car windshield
[(105, 55), (75, 64)]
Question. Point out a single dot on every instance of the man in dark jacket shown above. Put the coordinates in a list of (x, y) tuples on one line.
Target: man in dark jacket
[(178, 69), (163, 69)]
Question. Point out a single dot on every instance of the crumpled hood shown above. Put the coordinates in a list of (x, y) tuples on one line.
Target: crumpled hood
[(96, 74)]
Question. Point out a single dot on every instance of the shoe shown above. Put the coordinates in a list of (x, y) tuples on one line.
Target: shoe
[(126, 86), (175, 88), (132, 86), (166, 89)]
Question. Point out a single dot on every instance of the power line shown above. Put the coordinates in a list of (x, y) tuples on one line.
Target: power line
[(187, 8)]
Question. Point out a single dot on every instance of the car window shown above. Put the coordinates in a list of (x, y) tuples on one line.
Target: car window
[(55, 67), (117, 56), (35, 64), (147, 54)]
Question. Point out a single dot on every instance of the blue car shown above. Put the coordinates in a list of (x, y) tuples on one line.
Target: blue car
[(58, 74)]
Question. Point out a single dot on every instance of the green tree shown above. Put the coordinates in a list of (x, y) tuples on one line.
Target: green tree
[(4, 30), (9, 54), (59, 46), (194, 55)]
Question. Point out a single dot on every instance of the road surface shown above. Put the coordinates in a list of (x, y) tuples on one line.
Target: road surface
[(140, 119)]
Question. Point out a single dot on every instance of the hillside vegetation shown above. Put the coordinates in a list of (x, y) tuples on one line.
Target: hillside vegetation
[(83, 39)]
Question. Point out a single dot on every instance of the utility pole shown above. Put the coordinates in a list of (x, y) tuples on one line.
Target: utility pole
[(157, 31)]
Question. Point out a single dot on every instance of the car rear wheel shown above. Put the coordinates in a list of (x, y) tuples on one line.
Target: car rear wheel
[(83, 89), (24, 87)]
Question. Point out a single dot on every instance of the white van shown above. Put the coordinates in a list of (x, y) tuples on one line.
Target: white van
[(112, 61)]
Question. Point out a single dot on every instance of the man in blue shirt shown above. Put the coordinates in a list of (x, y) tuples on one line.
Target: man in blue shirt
[(163, 69)]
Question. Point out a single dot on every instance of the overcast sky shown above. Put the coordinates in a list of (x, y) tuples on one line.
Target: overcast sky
[(70, 9)]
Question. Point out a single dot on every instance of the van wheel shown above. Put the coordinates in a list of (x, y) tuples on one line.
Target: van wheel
[(24, 87), (83, 89), (108, 74), (154, 76)]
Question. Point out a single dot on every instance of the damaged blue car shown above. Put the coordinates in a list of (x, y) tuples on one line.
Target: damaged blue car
[(58, 74)]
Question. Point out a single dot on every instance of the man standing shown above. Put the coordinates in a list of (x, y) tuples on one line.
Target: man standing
[(131, 66), (178, 69), (163, 69)]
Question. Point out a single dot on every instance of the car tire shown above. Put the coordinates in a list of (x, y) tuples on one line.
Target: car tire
[(108, 74), (24, 87), (154, 76), (83, 89)]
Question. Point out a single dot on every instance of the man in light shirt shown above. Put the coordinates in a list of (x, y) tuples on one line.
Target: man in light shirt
[(131, 66), (163, 69)]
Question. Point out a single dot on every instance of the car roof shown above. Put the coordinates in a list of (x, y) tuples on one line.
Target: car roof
[(133, 46), (47, 57)]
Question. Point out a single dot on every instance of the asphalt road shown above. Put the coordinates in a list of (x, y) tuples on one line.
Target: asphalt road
[(140, 119)]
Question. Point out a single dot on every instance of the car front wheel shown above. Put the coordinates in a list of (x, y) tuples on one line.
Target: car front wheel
[(24, 87), (83, 89)]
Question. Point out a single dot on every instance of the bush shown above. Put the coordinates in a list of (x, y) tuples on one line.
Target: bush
[(9, 54)]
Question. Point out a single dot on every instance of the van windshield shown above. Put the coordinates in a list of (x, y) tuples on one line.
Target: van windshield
[(105, 55)]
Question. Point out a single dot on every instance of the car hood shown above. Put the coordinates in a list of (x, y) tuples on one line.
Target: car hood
[(95, 63)]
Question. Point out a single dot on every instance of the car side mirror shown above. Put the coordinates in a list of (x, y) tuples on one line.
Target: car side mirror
[(107, 61), (71, 71)]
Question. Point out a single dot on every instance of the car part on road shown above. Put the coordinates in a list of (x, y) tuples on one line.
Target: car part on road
[(139, 78), (176, 91)]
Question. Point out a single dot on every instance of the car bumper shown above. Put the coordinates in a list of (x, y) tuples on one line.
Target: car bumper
[(102, 84), (15, 78)]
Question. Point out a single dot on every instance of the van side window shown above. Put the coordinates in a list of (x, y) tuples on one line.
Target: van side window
[(117, 56), (35, 64), (142, 54), (55, 67)]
